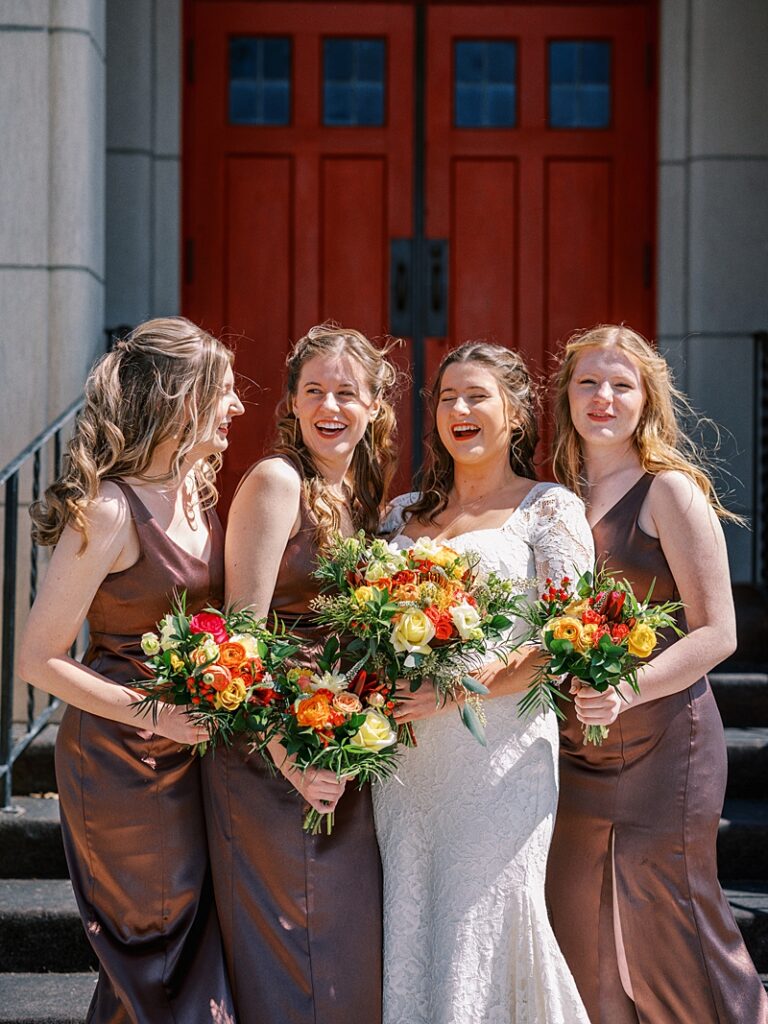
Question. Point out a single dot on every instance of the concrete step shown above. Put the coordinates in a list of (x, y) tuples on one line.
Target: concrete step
[(742, 697), (747, 761), (30, 841), (45, 998), (40, 928), (34, 771), (749, 903), (742, 839)]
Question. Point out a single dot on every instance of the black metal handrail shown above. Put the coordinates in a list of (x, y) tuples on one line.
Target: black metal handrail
[(760, 463), (10, 479)]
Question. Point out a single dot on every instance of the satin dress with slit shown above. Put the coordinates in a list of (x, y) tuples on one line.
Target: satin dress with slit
[(132, 809), (300, 914), (654, 791)]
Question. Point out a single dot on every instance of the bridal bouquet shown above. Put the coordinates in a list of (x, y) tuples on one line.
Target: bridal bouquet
[(220, 665), (420, 613), (328, 719), (598, 632)]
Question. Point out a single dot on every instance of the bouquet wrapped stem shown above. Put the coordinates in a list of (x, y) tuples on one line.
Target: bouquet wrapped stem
[(596, 631), (329, 719)]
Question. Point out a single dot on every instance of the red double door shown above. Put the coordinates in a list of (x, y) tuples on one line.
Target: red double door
[(439, 171)]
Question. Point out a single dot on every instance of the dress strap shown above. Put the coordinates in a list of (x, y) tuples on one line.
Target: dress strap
[(139, 510)]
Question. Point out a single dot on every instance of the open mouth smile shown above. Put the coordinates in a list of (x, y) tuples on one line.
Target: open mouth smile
[(464, 431), (330, 428)]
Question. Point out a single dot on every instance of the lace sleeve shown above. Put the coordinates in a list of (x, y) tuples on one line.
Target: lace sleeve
[(562, 539), (393, 518)]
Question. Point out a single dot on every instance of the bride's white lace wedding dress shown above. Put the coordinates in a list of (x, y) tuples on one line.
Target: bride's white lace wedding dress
[(464, 830)]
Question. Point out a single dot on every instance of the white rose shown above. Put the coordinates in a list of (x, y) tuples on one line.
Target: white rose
[(375, 571), (466, 620), (150, 644), (248, 642)]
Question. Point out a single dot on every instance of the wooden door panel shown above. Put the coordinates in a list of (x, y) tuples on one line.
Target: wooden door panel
[(580, 237), (291, 223), (484, 247), (353, 267)]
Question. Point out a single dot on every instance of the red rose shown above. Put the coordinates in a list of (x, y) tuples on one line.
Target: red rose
[(444, 627), (433, 613), (619, 632), (208, 622), (591, 616)]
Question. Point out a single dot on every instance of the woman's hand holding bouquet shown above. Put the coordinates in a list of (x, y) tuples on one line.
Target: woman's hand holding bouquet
[(218, 666), (598, 633)]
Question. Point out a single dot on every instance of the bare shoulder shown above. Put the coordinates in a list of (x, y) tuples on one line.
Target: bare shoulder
[(273, 476), (109, 510), (675, 492)]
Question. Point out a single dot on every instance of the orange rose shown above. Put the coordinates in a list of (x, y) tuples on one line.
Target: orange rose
[(218, 677), (314, 711), (231, 654)]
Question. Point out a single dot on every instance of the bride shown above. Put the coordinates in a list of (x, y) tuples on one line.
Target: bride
[(464, 830)]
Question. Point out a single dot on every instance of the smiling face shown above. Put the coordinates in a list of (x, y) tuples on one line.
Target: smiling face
[(606, 396), (473, 416), (226, 407), (333, 405)]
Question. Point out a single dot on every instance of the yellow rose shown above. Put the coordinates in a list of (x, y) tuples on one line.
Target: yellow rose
[(641, 640), (363, 594), (375, 733), (576, 608), (587, 636), (232, 696), (176, 663), (412, 632), (567, 628)]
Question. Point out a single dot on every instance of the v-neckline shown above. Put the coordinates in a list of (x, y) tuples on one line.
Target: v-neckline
[(203, 560), (621, 500)]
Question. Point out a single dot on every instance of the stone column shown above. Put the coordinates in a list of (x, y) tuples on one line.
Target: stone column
[(713, 221)]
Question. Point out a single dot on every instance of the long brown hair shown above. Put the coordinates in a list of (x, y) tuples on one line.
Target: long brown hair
[(516, 386), (373, 461), (660, 440), (162, 381)]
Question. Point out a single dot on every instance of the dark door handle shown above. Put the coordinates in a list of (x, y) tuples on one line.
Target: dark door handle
[(437, 304), (401, 287)]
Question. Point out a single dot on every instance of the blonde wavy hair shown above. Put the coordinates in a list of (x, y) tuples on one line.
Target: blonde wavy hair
[(661, 441), (373, 462), (161, 381), (519, 391)]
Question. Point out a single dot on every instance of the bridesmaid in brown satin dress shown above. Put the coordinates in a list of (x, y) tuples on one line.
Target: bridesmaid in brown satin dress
[(632, 879), (132, 521), (301, 915)]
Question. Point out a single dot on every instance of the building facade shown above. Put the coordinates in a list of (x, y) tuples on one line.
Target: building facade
[(557, 164)]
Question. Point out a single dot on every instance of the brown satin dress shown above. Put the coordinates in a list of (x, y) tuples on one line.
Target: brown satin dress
[(132, 810), (301, 915), (656, 786)]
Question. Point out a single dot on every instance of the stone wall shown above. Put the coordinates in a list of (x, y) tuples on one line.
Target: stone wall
[(713, 222), (52, 111)]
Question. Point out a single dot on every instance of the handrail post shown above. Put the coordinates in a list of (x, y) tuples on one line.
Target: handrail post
[(10, 546)]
